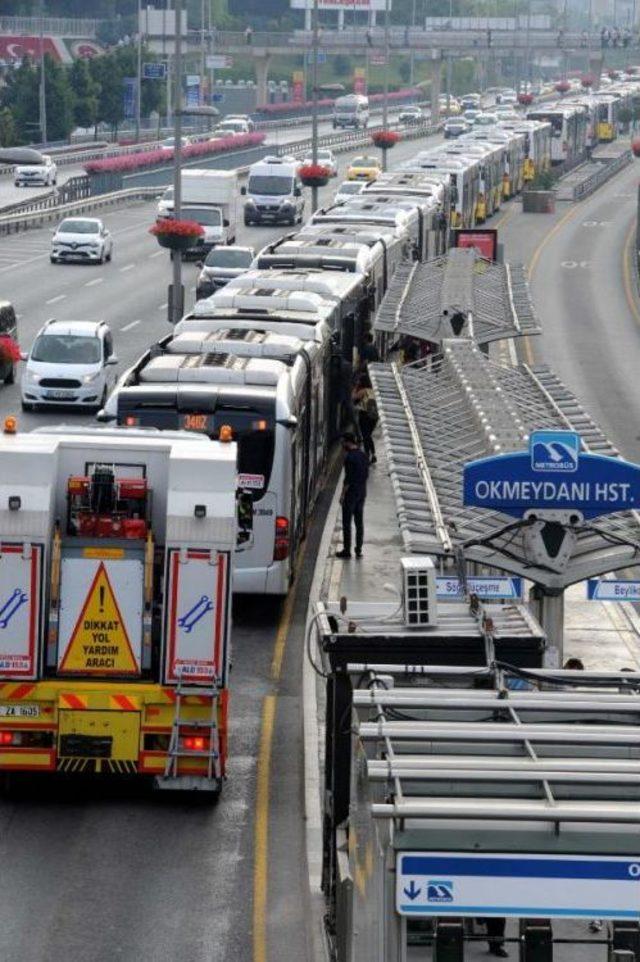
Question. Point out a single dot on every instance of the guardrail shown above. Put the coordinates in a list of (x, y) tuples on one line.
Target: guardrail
[(356, 138), (14, 223), (600, 177)]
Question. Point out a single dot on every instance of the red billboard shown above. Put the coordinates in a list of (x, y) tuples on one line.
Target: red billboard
[(484, 241)]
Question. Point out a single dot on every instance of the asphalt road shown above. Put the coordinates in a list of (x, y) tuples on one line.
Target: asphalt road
[(104, 873), (586, 299)]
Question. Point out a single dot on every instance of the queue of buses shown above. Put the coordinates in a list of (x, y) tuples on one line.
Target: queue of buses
[(271, 354)]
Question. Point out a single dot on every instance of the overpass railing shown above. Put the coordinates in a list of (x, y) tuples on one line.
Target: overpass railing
[(49, 26), (411, 38)]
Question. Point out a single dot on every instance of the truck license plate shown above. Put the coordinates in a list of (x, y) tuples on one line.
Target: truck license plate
[(19, 711)]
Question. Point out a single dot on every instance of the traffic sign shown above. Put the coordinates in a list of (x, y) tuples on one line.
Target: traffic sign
[(489, 589), (603, 590), (553, 475), (154, 71), (218, 61), (517, 885), (217, 98)]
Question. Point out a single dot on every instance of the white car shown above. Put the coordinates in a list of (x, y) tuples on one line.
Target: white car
[(326, 158), (170, 143), (70, 363), (31, 175), (81, 239), (245, 118), (348, 189), (165, 204), (485, 120), (411, 115)]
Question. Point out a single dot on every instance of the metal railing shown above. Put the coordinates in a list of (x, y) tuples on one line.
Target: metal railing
[(14, 223), (355, 138), (597, 179), (56, 26)]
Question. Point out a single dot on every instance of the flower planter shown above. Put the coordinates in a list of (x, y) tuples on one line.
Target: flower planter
[(538, 202), (315, 181), (635, 146), (314, 175), (177, 242), (385, 140), (563, 86), (525, 100)]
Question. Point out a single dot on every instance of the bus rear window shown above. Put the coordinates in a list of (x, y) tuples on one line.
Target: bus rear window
[(253, 430)]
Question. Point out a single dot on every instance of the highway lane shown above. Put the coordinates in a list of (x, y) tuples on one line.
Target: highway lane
[(108, 872), (130, 293), (9, 194), (588, 305)]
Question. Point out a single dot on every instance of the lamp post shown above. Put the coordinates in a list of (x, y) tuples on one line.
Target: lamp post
[(42, 91), (139, 72), (385, 95), (314, 98), (176, 299)]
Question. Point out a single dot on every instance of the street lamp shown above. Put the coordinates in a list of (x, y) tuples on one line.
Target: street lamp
[(314, 98)]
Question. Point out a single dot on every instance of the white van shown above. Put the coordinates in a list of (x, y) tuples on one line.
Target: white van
[(273, 192), (351, 111)]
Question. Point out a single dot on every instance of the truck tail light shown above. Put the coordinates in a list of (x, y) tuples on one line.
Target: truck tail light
[(282, 543), (194, 743), (25, 739), (6, 738)]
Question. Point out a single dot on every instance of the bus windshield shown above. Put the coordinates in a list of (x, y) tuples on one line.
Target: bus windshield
[(553, 119)]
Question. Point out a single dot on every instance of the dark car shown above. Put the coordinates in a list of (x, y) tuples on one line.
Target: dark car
[(221, 266), (455, 127), (8, 328)]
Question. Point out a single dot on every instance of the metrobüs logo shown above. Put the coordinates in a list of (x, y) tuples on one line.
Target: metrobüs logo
[(554, 451), (439, 891)]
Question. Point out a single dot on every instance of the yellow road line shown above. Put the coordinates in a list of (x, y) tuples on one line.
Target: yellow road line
[(261, 833), (626, 272), (285, 621)]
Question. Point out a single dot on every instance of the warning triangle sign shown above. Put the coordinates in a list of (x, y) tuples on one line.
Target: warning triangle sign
[(99, 643)]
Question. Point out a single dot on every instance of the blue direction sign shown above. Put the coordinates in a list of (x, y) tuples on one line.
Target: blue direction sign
[(554, 474), (154, 71), (489, 589), (601, 590)]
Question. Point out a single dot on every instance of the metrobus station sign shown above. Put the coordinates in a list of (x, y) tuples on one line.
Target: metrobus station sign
[(554, 474)]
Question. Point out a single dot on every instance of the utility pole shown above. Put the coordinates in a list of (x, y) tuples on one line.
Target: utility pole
[(411, 56), (164, 34), (385, 94), (314, 98), (177, 294), (139, 73), (42, 91)]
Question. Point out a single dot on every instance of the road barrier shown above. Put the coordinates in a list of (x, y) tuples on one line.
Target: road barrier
[(608, 168)]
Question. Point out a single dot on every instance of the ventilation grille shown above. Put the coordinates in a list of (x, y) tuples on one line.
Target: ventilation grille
[(419, 592)]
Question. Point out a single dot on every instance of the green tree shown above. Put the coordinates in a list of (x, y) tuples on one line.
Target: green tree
[(107, 74), (20, 97), (86, 93), (59, 100), (8, 133)]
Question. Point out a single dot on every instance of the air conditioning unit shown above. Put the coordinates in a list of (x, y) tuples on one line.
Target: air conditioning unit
[(419, 591)]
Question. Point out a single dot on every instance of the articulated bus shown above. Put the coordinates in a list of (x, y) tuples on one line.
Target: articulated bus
[(569, 130), (464, 177), (607, 107), (537, 145)]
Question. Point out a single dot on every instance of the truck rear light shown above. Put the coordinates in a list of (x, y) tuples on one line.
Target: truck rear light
[(6, 738), (282, 543), (194, 743), (26, 739)]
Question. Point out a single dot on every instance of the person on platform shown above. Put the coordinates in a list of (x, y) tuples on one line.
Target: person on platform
[(354, 494), (364, 402), (495, 936)]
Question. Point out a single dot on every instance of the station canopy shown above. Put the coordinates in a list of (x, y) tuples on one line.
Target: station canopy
[(465, 407), (435, 751), (458, 294)]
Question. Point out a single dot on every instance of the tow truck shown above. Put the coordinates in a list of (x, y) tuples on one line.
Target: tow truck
[(116, 553)]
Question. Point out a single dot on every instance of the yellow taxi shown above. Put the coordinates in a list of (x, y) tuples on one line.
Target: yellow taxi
[(363, 168), (454, 107)]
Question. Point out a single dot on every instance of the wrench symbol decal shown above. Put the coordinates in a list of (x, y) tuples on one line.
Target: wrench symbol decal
[(189, 620), (14, 602)]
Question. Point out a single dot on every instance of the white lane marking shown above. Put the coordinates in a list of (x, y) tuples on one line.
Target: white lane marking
[(54, 300), (96, 280), (157, 254), (163, 307), (128, 327), (127, 267)]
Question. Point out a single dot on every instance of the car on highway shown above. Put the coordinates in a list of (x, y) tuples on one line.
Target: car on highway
[(235, 125), (170, 143), (81, 239), (70, 363), (470, 101), (8, 329), (364, 168), (34, 175), (245, 118), (470, 115), (455, 127), (348, 189), (165, 204), (449, 106), (326, 158), (221, 265), (486, 119), (411, 115)]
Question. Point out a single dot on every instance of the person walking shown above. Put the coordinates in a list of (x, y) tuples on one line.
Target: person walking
[(495, 935), (248, 35), (354, 493), (366, 409)]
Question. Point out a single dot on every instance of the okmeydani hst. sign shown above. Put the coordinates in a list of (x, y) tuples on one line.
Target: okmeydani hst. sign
[(554, 474)]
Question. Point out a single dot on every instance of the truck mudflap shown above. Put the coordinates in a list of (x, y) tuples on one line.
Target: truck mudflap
[(105, 729)]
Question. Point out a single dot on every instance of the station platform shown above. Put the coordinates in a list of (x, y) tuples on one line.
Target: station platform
[(602, 634)]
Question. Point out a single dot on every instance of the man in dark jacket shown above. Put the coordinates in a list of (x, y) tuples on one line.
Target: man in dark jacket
[(354, 493)]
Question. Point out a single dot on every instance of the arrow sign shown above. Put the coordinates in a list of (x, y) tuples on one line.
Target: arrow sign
[(413, 891)]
